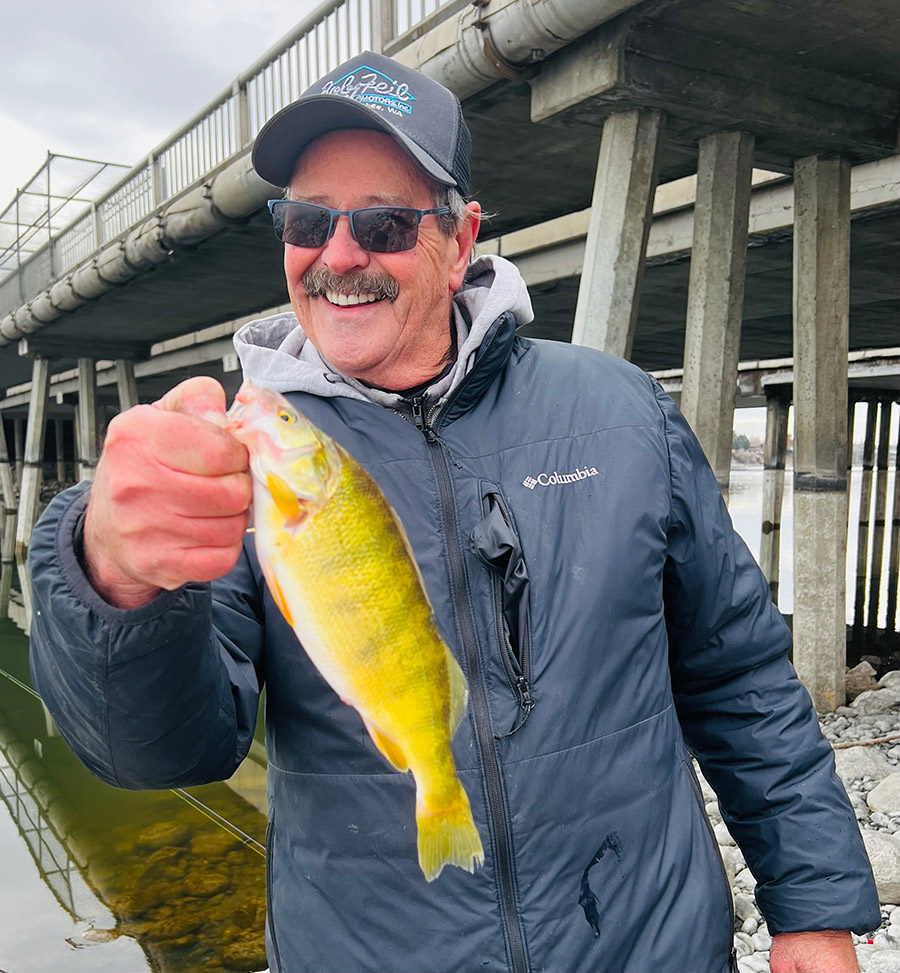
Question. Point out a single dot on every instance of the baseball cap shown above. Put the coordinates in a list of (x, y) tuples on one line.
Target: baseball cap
[(371, 91)]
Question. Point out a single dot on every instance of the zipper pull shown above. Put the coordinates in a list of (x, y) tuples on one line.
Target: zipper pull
[(418, 413), (526, 700)]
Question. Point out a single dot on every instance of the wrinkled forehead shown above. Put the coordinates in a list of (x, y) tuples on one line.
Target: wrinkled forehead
[(360, 150)]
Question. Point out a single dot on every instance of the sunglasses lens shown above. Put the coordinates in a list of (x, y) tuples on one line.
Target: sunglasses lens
[(301, 224), (387, 230)]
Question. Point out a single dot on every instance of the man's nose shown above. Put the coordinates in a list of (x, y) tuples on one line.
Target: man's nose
[(342, 253)]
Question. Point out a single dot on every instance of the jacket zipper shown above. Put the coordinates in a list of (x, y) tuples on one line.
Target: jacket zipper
[(270, 839), (518, 669), (497, 818)]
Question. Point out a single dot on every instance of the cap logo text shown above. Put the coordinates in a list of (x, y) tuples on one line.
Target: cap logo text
[(373, 89)]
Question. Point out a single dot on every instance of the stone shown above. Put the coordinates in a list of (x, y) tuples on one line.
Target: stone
[(708, 793), (745, 907), (885, 796), (855, 762), (214, 845), (175, 927), (884, 854), (723, 835), (890, 680), (877, 701), (713, 812), (742, 947), (162, 834), (205, 884), (750, 926), (883, 961), (762, 941), (859, 679), (733, 861), (248, 953), (745, 878)]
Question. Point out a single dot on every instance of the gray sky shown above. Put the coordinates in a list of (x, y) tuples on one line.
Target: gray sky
[(110, 80)]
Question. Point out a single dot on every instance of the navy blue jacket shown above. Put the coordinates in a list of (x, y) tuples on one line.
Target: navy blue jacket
[(584, 570)]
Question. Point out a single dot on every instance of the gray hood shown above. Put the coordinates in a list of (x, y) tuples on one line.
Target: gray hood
[(275, 353)]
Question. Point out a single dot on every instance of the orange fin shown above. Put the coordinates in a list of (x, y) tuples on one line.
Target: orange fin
[(279, 599), (389, 750), (284, 498)]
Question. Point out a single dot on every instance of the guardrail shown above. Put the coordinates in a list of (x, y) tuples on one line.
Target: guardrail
[(336, 31)]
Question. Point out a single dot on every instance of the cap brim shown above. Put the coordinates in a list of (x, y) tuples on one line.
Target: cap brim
[(287, 133)]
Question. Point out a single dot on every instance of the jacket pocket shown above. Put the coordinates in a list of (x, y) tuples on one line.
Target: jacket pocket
[(496, 543)]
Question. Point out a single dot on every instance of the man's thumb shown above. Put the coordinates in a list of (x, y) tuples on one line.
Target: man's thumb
[(201, 396)]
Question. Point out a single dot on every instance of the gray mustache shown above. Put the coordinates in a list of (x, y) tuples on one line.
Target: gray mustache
[(317, 282)]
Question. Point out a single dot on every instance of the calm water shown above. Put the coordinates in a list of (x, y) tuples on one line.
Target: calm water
[(100, 880)]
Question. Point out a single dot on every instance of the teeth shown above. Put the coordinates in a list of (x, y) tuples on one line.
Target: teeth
[(348, 300)]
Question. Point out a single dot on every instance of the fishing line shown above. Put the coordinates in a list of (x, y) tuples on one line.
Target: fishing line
[(198, 805), (223, 823)]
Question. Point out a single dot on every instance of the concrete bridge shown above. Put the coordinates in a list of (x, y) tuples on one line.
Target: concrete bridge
[(685, 182)]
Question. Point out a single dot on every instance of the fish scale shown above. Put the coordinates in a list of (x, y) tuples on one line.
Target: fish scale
[(339, 566)]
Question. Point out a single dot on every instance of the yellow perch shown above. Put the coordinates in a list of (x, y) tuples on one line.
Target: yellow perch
[(340, 568)]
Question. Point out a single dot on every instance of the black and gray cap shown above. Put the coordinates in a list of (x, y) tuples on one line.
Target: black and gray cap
[(371, 91)]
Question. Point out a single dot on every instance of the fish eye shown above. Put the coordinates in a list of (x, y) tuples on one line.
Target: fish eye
[(285, 416)]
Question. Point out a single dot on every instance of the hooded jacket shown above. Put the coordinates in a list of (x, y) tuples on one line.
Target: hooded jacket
[(584, 571)]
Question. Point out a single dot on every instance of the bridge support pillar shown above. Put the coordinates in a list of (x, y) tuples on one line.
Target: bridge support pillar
[(59, 443), (893, 622), (821, 345), (126, 384), (865, 503), (616, 245), (880, 512), (30, 493), (8, 544), (716, 294), (778, 403), (86, 415), (19, 447)]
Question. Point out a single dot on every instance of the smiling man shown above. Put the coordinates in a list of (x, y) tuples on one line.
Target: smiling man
[(580, 563)]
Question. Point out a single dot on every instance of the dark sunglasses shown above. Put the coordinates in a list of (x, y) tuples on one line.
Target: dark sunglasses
[(379, 229)]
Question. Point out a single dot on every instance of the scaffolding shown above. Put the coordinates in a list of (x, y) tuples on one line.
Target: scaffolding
[(60, 191)]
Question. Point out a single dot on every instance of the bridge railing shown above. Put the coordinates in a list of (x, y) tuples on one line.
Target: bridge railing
[(336, 31)]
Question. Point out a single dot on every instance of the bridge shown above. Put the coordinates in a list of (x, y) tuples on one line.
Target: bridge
[(688, 183)]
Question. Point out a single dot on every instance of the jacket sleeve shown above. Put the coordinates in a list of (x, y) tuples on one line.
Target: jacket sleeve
[(162, 696), (748, 719)]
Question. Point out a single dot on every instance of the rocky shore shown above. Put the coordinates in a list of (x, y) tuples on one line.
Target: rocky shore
[(866, 738)]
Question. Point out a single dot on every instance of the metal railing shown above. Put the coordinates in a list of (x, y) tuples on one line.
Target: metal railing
[(336, 31)]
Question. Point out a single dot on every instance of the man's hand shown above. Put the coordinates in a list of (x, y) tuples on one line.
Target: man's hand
[(813, 952), (171, 496)]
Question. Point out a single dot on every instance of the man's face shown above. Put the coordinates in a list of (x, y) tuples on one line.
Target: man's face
[(391, 343)]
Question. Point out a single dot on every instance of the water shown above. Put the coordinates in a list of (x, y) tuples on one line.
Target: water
[(745, 506), (101, 880)]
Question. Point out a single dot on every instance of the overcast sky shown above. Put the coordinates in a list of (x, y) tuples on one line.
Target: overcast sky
[(110, 80)]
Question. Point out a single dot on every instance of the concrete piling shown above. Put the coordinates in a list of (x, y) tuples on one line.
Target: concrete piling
[(778, 404)]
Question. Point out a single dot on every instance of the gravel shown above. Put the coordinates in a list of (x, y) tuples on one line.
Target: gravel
[(874, 714)]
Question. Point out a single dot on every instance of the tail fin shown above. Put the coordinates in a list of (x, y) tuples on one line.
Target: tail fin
[(448, 836)]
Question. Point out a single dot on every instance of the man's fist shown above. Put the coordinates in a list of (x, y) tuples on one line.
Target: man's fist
[(171, 497)]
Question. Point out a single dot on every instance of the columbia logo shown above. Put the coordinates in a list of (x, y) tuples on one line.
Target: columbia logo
[(555, 478)]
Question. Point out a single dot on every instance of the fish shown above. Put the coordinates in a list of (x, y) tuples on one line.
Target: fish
[(339, 565)]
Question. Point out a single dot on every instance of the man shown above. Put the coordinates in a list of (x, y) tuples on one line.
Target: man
[(581, 565)]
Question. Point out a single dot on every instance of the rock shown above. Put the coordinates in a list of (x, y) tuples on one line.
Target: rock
[(745, 907), (708, 793), (859, 679), (886, 795), (248, 953), (713, 812), (176, 927), (750, 926), (762, 941), (855, 762), (205, 884), (745, 878), (884, 854), (883, 961), (877, 701), (733, 861), (215, 845), (723, 835), (742, 945), (162, 834), (890, 680)]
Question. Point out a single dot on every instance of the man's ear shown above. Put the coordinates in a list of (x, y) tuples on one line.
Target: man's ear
[(465, 241)]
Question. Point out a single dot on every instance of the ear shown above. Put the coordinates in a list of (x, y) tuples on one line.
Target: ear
[(465, 241)]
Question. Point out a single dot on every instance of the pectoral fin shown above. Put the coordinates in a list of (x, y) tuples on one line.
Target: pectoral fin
[(391, 752), (459, 692), (285, 499)]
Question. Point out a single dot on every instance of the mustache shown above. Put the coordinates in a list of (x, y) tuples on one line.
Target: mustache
[(317, 282)]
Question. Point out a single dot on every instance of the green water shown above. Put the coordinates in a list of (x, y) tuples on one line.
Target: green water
[(108, 881)]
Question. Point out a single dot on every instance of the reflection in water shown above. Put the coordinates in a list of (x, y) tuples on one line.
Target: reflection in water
[(116, 881)]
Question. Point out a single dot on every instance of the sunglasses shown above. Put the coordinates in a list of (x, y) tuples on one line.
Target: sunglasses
[(378, 229)]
